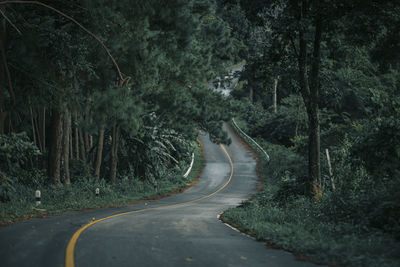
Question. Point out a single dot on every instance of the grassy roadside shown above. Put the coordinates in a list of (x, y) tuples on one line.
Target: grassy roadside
[(81, 194), (301, 225)]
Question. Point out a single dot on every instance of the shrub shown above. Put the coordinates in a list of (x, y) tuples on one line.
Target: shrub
[(17, 154)]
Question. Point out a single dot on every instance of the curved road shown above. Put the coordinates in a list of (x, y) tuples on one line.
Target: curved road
[(181, 230)]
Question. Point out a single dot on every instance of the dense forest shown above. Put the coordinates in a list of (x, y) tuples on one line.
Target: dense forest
[(112, 94), (106, 89), (320, 92)]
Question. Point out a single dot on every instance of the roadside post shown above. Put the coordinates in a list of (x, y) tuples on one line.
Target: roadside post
[(37, 197)]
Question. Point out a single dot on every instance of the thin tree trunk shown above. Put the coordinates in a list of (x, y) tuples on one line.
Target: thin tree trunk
[(87, 121), (314, 148), (92, 157), (3, 112), (10, 128), (39, 138), (275, 95), (19, 120), (3, 116), (66, 147), (33, 126), (298, 118), (76, 135), (44, 129), (55, 149), (86, 139), (82, 145), (71, 151), (5, 72), (114, 152), (251, 95), (99, 153)]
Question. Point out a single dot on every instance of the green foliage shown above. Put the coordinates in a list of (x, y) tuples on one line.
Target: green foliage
[(355, 223), (16, 150), (16, 156), (378, 146), (81, 193), (156, 148), (358, 110), (117, 104), (169, 49)]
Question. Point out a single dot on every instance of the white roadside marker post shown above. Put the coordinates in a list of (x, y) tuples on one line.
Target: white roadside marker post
[(37, 197)]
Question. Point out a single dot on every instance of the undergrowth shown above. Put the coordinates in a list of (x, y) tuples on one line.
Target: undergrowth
[(354, 225), (81, 194)]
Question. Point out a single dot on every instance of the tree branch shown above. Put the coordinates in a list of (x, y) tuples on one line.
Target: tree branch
[(10, 87), (9, 21), (294, 46), (4, 62), (122, 79)]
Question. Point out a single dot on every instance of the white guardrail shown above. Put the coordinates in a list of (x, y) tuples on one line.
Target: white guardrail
[(190, 167), (252, 140)]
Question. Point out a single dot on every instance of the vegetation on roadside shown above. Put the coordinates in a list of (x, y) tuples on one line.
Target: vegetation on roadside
[(107, 94), (350, 226), (114, 99), (322, 78), (81, 194)]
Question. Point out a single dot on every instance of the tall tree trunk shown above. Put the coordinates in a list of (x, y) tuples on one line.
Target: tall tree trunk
[(114, 152), (55, 148), (82, 145), (275, 95), (91, 148), (251, 94), (3, 116), (3, 112), (314, 154), (44, 129), (10, 125), (33, 127), (310, 94), (39, 137), (71, 151), (76, 135), (315, 139), (87, 122), (66, 147), (86, 140), (99, 153)]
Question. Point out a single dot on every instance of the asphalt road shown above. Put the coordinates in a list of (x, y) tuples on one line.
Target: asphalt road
[(180, 230)]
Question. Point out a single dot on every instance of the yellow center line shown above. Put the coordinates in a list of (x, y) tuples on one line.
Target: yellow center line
[(69, 252)]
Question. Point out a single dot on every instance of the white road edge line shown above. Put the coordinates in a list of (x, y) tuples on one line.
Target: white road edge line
[(234, 228)]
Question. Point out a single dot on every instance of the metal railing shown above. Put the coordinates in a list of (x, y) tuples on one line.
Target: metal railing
[(252, 140)]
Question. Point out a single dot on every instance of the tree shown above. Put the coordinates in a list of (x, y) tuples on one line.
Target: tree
[(78, 101)]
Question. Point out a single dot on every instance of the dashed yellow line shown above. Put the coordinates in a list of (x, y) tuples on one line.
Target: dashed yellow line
[(69, 253)]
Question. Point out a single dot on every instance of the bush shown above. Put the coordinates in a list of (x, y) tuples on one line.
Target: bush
[(358, 224), (17, 154), (378, 145), (81, 193)]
